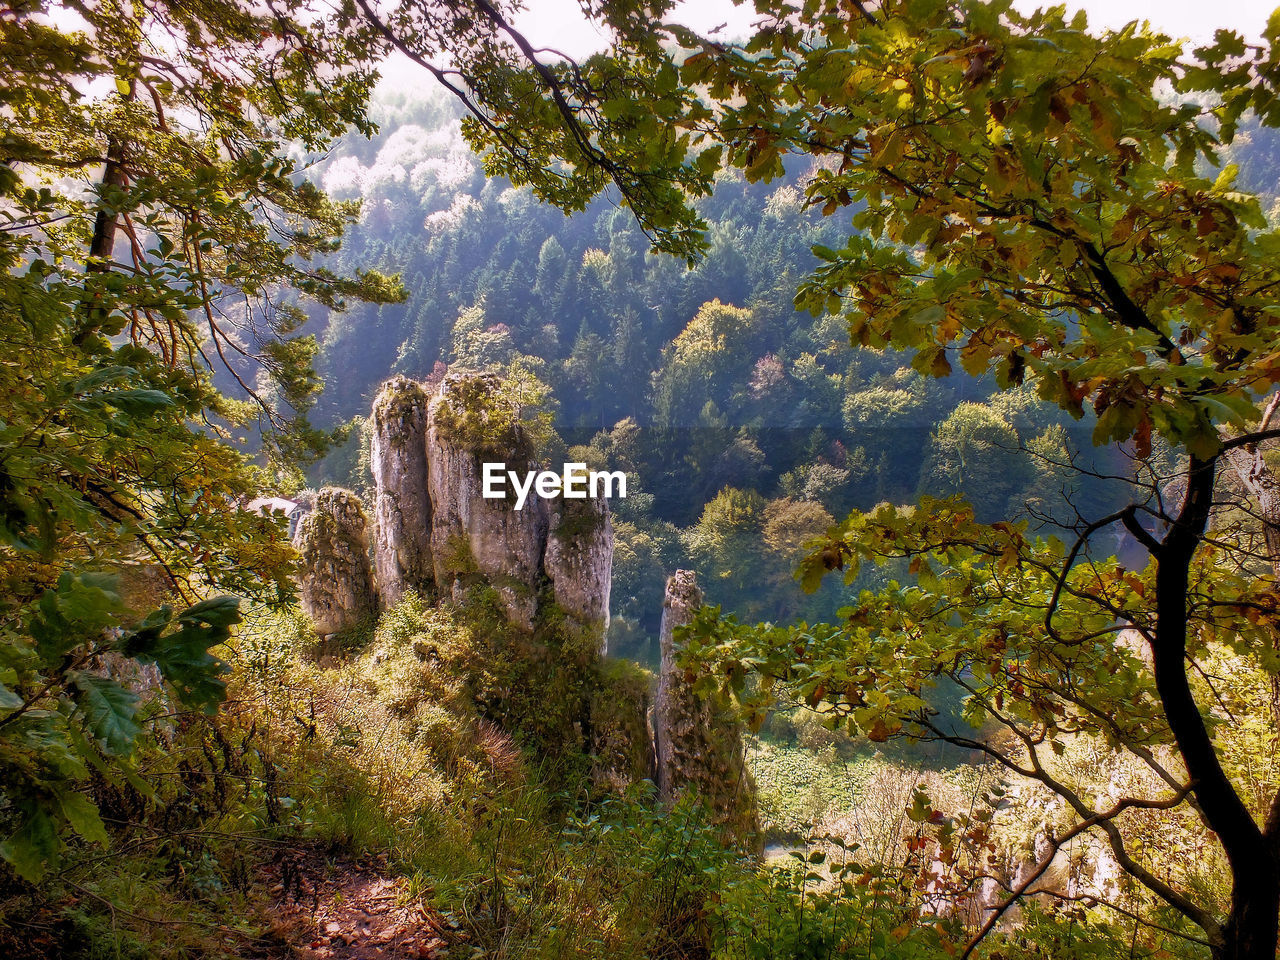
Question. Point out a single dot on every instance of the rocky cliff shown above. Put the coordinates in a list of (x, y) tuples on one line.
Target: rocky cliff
[(435, 528), (474, 540), (533, 583), (579, 558), (402, 506)]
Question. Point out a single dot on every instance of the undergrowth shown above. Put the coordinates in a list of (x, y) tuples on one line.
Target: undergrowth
[(446, 750)]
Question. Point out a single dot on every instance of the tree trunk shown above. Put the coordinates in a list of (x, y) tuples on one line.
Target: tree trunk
[(1254, 925), (1251, 930), (105, 226)]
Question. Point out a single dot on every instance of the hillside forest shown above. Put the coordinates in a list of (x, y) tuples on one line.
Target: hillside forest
[(746, 425), (936, 340)]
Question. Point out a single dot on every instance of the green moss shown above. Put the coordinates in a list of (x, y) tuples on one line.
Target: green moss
[(579, 520), (400, 402), (621, 741), (476, 415), (509, 416), (457, 558)]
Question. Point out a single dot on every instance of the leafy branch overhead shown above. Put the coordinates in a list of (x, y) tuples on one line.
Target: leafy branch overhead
[(161, 251), (569, 129), (1025, 198)]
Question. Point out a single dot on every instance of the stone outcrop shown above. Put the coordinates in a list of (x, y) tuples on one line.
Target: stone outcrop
[(434, 528), (537, 579), (402, 506), (473, 539), (621, 742), (336, 587), (697, 741), (579, 559)]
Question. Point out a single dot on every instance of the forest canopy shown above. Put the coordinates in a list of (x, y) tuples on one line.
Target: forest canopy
[(978, 331)]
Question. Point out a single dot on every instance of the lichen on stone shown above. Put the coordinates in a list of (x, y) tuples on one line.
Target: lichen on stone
[(336, 587), (402, 504)]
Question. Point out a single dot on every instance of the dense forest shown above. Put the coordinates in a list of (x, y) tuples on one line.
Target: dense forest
[(936, 341), (747, 426)]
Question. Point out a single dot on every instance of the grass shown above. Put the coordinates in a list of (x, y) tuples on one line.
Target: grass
[(388, 750), (798, 787)]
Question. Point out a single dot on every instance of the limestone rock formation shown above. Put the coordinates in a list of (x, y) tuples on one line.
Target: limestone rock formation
[(579, 559), (671, 705), (435, 532), (336, 586), (697, 743), (402, 506), (548, 564), (474, 539)]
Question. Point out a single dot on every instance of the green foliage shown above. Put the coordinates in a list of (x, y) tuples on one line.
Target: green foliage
[(508, 414), (807, 909), (712, 348), (1009, 239), (618, 879), (976, 455), (799, 786), (391, 751), (620, 735), (726, 534), (549, 691), (1027, 205), (140, 197), (605, 334), (67, 712), (480, 346)]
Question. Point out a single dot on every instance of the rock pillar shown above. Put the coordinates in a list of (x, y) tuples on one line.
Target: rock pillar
[(336, 586), (697, 741), (473, 539), (402, 507)]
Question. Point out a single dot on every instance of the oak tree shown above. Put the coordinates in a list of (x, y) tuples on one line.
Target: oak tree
[(1040, 203)]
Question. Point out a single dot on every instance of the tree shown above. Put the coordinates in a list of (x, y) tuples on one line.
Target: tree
[(975, 452), (477, 343), (569, 130), (162, 250), (701, 362), (156, 244), (724, 544), (1028, 204)]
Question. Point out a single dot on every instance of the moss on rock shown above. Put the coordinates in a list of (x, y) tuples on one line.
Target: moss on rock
[(697, 738)]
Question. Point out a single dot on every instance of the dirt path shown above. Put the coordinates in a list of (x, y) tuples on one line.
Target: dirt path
[(326, 908)]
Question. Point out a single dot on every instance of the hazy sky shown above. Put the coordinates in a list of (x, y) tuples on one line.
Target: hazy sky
[(559, 23)]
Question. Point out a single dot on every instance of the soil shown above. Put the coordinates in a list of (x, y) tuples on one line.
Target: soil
[(339, 908)]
